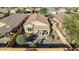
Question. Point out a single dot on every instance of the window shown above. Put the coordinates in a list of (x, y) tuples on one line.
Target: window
[(29, 29)]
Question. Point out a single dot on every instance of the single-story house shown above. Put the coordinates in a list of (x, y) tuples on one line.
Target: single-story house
[(12, 11), (58, 19), (8, 24), (37, 23), (12, 21)]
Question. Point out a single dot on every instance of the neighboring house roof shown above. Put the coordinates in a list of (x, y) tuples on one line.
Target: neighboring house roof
[(13, 20), (5, 30), (2, 24), (52, 10), (37, 17), (60, 16)]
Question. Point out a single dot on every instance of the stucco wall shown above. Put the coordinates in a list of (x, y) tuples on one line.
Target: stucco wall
[(41, 27), (36, 28)]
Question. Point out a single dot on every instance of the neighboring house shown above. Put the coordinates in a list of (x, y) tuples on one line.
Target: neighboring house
[(5, 10), (52, 10), (12, 11), (61, 10), (1, 13), (37, 24), (58, 19), (10, 24), (14, 20), (59, 30), (28, 9)]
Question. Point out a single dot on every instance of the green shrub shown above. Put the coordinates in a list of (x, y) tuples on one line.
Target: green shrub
[(21, 39), (43, 11)]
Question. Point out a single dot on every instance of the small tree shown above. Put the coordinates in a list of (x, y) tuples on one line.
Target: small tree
[(18, 11), (68, 11), (21, 39), (23, 11), (7, 13), (75, 9), (51, 36), (50, 16), (43, 11)]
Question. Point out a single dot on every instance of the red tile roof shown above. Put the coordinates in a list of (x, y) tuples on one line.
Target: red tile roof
[(37, 17)]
